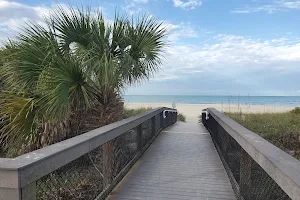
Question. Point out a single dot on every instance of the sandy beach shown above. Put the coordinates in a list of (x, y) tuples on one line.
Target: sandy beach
[(192, 111)]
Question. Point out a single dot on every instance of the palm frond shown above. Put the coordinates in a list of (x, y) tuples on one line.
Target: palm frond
[(17, 114), (77, 63), (145, 40)]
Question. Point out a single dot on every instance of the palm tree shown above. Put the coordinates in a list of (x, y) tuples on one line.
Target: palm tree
[(71, 72)]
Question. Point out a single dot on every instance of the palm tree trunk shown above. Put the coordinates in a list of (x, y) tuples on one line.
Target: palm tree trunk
[(108, 160)]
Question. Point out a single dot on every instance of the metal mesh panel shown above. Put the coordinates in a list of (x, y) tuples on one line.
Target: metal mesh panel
[(262, 185), (95, 174), (146, 132), (125, 149), (157, 124), (248, 179), (83, 178), (231, 151), (80, 179)]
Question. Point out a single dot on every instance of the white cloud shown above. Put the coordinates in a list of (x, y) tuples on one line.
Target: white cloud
[(4, 33), (165, 76), (235, 64), (141, 1), (132, 7), (182, 30), (270, 8), (233, 56), (291, 4), (13, 14), (187, 4)]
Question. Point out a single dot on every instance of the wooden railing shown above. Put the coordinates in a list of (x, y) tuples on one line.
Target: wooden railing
[(87, 166), (257, 169)]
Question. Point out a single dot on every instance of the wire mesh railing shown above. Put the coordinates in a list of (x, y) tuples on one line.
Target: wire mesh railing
[(256, 176), (80, 179), (94, 173), (83, 178)]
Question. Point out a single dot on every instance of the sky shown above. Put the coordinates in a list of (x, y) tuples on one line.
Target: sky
[(216, 47)]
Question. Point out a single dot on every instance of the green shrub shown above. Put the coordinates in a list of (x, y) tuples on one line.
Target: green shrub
[(296, 110), (181, 117)]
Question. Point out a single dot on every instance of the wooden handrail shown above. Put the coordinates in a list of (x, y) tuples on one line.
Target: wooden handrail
[(280, 166), (32, 166)]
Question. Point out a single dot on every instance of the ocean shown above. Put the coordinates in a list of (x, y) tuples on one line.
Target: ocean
[(247, 100)]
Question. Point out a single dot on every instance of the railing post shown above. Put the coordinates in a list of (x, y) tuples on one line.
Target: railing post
[(9, 185), (245, 174), (10, 188), (108, 156), (10, 193), (153, 125), (139, 141)]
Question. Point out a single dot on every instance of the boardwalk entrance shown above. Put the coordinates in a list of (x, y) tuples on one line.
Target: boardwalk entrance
[(155, 158), (182, 163)]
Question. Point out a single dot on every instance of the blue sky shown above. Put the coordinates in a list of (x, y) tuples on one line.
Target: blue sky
[(216, 47)]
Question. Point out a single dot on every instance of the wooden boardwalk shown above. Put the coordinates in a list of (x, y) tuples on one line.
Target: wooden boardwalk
[(182, 163)]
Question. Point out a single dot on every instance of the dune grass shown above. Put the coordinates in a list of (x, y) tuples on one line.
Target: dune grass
[(181, 117), (132, 112), (281, 129)]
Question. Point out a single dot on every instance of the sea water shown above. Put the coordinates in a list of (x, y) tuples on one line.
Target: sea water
[(184, 99)]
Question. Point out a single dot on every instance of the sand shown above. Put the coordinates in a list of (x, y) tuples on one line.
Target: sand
[(192, 111)]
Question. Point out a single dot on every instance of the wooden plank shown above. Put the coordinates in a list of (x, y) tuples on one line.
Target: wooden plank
[(177, 166)]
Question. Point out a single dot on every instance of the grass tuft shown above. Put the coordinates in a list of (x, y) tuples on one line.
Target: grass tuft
[(200, 118), (181, 117)]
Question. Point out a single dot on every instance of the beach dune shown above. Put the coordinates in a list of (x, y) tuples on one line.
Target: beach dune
[(192, 111)]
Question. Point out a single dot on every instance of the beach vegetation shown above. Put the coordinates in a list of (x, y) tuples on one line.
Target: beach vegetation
[(65, 77), (296, 110), (132, 112), (200, 118), (181, 117), (281, 129)]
